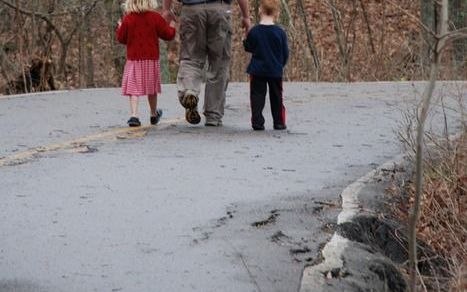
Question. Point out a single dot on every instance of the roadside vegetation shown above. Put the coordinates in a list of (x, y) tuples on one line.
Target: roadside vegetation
[(442, 225)]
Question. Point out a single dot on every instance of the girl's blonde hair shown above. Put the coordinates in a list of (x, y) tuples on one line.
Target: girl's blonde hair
[(139, 6)]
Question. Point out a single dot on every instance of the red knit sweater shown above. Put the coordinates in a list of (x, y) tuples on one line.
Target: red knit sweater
[(140, 32)]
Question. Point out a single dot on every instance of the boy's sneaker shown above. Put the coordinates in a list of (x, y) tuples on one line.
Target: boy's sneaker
[(155, 119), (190, 103), (134, 122), (213, 123), (280, 127), (258, 127)]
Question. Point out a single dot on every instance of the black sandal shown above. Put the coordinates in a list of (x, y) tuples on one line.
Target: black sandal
[(155, 119), (134, 122)]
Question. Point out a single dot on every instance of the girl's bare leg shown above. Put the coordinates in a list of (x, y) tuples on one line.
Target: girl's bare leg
[(133, 106), (152, 100)]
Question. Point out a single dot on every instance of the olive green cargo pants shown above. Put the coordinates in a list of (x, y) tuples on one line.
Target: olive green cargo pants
[(205, 36)]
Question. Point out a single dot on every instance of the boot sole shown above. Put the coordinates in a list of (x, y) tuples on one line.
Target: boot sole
[(190, 102), (192, 116)]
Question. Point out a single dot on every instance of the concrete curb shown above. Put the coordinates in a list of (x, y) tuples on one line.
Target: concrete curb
[(314, 278)]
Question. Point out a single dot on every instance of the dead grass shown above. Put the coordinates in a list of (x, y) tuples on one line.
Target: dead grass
[(443, 220)]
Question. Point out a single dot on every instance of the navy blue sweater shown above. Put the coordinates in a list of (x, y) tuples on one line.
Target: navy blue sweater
[(269, 48)]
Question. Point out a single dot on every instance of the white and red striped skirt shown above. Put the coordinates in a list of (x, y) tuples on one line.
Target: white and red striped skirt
[(141, 77)]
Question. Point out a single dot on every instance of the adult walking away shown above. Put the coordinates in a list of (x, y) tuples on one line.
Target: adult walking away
[(205, 35)]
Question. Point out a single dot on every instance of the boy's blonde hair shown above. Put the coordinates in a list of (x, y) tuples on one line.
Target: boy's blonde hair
[(270, 7), (139, 6)]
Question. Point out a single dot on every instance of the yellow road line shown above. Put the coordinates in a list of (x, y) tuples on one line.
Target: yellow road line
[(117, 133)]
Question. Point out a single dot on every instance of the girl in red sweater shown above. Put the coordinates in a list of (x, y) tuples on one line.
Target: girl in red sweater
[(140, 31)]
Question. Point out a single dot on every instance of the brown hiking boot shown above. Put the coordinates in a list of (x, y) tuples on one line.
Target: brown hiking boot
[(190, 103)]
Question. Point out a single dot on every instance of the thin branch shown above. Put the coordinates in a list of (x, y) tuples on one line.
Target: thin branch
[(39, 15), (289, 16), (453, 36), (47, 19)]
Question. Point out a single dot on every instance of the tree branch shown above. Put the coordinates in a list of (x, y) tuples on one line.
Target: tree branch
[(39, 15), (453, 35)]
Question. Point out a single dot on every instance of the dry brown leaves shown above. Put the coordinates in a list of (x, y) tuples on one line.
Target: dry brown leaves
[(443, 217)]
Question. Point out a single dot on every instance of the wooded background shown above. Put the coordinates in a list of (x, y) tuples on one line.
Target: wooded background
[(56, 44)]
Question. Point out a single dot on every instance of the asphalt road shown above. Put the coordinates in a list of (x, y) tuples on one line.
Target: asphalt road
[(89, 205)]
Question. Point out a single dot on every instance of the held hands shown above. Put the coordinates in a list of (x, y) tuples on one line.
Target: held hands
[(169, 16), (246, 24)]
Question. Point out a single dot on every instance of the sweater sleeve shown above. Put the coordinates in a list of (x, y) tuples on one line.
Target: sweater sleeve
[(164, 30), (122, 32), (248, 43), (285, 49)]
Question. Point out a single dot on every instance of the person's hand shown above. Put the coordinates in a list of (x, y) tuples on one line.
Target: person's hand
[(168, 15), (246, 24), (119, 22)]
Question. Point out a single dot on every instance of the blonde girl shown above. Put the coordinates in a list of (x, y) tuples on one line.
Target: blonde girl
[(140, 30)]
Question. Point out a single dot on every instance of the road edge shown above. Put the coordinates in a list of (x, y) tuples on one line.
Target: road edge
[(314, 278)]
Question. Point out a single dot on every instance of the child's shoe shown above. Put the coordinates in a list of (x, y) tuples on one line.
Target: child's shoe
[(155, 119), (280, 127), (134, 122), (258, 127), (213, 123)]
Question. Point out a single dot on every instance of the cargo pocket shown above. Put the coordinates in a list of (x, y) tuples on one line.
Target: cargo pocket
[(187, 36), (227, 34)]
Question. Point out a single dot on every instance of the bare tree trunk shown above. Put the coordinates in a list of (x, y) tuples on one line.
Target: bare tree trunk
[(19, 40), (6, 66), (256, 11), (429, 19), (81, 44), (117, 51), (368, 28), (382, 52), (286, 17), (458, 17), (349, 49), (340, 38), (309, 38), (32, 29), (89, 53), (427, 95)]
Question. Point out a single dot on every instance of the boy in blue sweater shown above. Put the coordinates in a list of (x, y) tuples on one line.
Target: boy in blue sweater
[(268, 44)]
